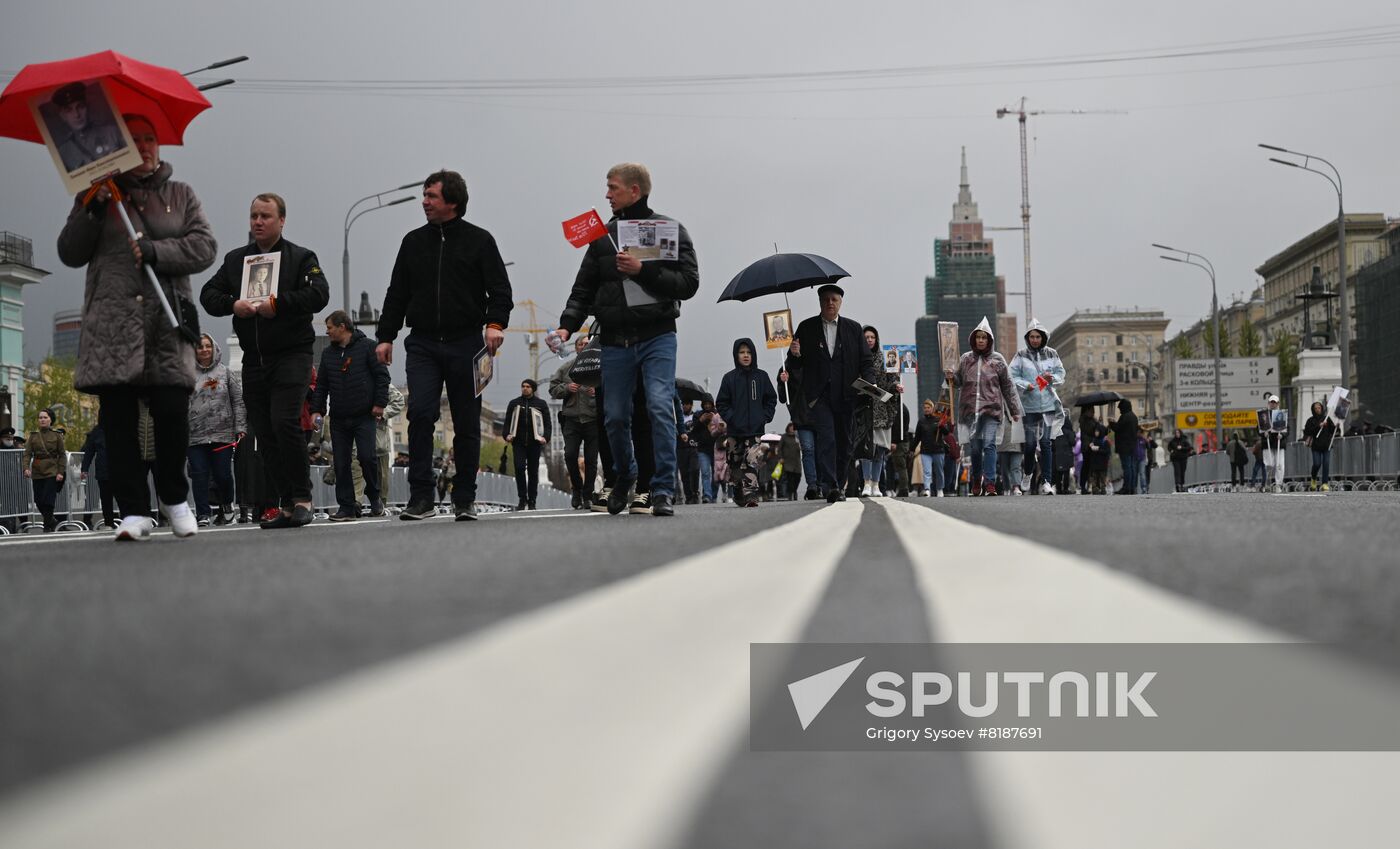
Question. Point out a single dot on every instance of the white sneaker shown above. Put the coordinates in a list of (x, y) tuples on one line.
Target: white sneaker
[(1046, 488), (182, 521), (134, 528), (940, 493), (865, 490), (1015, 490)]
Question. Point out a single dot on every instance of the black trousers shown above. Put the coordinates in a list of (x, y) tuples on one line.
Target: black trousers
[(433, 365), (120, 416), (527, 468), (833, 424), (273, 392), (45, 497), (581, 435), (641, 443), (104, 494), (359, 431), (1179, 467)]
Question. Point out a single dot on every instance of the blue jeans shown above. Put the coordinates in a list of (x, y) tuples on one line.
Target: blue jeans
[(807, 438), (1038, 434), (983, 448), (1321, 460), (707, 475), (432, 365), (360, 432), (1130, 468), (933, 471), (205, 462), (873, 468), (655, 359)]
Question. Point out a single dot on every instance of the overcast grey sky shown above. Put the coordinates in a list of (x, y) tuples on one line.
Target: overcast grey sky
[(863, 171)]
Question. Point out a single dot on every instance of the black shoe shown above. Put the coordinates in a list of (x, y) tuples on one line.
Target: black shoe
[(599, 502), (343, 516), (416, 510), (619, 497), (661, 506), (833, 495), (530, 505), (299, 517), (576, 500), (465, 512), (376, 508), (640, 504), (812, 494)]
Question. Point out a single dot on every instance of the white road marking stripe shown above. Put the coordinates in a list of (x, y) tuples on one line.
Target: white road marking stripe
[(985, 586), (599, 721)]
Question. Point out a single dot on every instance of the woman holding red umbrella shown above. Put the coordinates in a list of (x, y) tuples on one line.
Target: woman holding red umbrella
[(130, 352)]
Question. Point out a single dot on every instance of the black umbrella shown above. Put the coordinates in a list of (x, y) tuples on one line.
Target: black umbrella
[(690, 392), (782, 273), (1094, 399)]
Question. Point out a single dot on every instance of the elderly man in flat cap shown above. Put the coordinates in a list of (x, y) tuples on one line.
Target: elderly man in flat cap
[(830, 353)]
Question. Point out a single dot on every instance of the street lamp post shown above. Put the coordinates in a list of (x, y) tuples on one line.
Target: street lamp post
[(380, 203), (1151, 404), (1204, 264), (1344, 332)]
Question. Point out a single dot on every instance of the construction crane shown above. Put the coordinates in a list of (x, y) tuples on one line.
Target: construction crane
[(532, 336), (1021, 114)]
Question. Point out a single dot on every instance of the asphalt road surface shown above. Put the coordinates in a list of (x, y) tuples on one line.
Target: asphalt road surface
[(574, 679)]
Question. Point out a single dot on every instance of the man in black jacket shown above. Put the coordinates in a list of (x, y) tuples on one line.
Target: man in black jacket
[(527, 430), (276, 336), (1125, 437), (830, 352), (358, 386), (637, 304), (448, 283)]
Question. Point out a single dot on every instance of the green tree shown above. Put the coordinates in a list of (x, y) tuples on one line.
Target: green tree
[(1181, 348), (1251, 345), (55, 389), (1224, 341), (1285, 347)]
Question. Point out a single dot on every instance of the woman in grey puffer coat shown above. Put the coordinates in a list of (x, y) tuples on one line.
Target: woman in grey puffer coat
[(129, 351), (217, 422)]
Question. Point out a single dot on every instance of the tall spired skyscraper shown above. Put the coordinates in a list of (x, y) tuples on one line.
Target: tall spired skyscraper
[(964, 288)]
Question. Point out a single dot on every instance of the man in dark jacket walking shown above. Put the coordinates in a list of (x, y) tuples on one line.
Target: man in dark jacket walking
[(449, 285), (528, 429), (276, 336), (746, 401), (1125, 439), (1178, 450), (830, 352), (578, 419), (637, 304), (358, 386)]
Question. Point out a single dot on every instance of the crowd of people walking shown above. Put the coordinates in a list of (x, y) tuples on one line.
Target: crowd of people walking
[(172, 412)]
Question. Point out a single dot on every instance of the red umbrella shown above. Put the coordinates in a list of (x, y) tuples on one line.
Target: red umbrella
[(162, 95)]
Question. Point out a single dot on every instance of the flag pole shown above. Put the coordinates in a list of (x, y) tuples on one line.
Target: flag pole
[(616, 249)]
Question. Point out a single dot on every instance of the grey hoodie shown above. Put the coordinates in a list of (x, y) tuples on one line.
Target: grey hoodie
[(216, 407)]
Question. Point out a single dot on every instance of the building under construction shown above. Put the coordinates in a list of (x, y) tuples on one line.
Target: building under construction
[(1377, 290), (964, 288)]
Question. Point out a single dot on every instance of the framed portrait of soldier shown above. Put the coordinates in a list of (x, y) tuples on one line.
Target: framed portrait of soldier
[(84, 132), (777, 328), (259, 277)]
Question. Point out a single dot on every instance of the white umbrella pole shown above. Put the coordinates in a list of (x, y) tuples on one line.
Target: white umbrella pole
[(150, 272)]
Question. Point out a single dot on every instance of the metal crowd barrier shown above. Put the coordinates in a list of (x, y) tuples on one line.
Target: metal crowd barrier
[(1358, 463), (81, 499)]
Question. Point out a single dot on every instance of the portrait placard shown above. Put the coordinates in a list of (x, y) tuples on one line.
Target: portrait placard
[(948, 351), (777, 328), (260, 277), (84, 133)]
